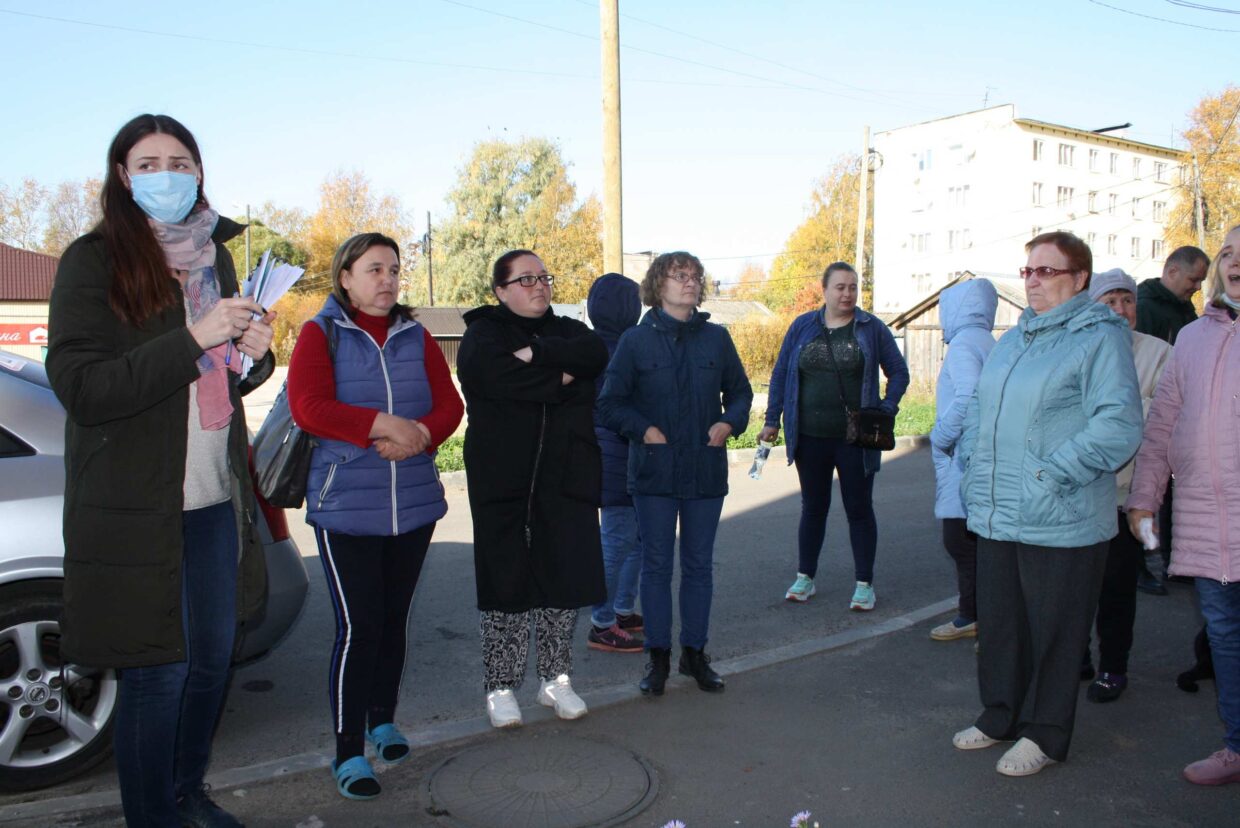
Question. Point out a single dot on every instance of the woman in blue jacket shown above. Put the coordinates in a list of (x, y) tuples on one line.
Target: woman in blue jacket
[(676, 389), (1056, 413), (967, 314), (828, 362)]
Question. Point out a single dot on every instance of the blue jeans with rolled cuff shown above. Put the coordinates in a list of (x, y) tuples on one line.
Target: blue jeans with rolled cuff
[(622, 563), (1220, 605)]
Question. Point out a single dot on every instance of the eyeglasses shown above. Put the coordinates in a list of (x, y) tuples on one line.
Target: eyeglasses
[(529, 281), (1043, 272), (682, 277)]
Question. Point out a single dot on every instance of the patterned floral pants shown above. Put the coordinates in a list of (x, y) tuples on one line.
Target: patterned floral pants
[(506, 644)]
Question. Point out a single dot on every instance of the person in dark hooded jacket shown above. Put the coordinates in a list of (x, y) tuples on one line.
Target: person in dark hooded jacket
[(534, 474), (676, 388)]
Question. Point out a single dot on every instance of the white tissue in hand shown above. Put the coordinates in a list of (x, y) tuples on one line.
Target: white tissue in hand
[(1146, 530)]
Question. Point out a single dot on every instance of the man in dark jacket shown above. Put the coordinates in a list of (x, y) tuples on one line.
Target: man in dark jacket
[(1164, 305), (614, 307)]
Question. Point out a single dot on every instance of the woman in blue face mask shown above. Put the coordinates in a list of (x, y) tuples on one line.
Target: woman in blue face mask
[(162, 560)]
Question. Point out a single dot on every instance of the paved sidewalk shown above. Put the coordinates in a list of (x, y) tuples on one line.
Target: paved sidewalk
[(858, 735)]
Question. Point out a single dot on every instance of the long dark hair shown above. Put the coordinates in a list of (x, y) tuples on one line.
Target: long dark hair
[(347, 255), (141, 284)]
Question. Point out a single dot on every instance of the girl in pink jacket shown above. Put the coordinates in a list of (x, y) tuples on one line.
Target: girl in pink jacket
[(1193, 432)]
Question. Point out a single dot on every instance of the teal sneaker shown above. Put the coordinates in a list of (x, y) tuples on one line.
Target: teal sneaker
[(801, 590), (863, 598)]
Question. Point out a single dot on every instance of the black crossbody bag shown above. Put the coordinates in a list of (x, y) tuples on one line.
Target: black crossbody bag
[(871, 428), (282, 450)]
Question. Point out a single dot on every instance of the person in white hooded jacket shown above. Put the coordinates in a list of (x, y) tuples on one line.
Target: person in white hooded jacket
[(967, 315)]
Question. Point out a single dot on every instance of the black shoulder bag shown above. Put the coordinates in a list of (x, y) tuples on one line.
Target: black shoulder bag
[(871, 428), (282, 450)]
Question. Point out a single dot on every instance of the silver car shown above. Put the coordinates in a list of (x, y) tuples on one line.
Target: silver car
[(56, 718)]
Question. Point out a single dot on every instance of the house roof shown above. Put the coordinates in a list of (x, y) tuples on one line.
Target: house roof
[(1010, 290), (443, 321), (26, 276), (728, 311)]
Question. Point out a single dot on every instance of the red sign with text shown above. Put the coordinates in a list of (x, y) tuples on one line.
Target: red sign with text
[(11, 334)]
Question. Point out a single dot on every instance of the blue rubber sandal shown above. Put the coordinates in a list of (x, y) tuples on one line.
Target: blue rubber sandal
[(350, 773), (386, 737)]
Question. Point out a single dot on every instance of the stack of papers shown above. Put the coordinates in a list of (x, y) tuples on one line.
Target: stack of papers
[(270, 280)]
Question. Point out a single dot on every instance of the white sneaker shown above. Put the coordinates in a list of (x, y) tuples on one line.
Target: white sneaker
[(503, 709), (1024, 758), (558, 693), (972, 739)]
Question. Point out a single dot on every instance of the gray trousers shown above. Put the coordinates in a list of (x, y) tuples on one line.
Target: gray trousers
[(1035, 605)]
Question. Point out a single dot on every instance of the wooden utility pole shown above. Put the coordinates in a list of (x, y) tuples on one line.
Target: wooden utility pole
[(1201, 219), (613, 230), (862, 205), (430, 271)]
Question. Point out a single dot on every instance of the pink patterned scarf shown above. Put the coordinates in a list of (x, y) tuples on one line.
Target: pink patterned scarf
[(190, 254)]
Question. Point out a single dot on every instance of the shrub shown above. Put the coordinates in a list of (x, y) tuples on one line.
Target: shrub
[(757, 342), (292, 312)]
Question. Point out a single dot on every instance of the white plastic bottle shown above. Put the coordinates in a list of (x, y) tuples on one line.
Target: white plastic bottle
[(759, 459)]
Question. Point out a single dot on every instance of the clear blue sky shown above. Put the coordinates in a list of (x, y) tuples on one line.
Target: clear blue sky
[(731, 109)]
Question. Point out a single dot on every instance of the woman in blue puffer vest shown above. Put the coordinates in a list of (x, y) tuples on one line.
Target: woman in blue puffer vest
[(1057, 411), (373, 386)]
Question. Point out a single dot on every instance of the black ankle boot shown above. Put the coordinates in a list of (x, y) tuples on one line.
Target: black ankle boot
[(697, 664), (656, 672)]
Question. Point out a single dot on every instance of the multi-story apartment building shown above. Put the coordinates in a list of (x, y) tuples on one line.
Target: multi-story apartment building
[(966, 192)]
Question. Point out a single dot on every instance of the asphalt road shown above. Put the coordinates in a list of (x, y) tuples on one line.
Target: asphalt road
[(880, 710)]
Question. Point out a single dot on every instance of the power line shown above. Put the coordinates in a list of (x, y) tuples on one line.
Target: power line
[(1199, 7), (1163, 19), (270, 47), (679, 59)]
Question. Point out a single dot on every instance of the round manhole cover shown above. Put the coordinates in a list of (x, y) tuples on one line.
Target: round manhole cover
[(540, 780)]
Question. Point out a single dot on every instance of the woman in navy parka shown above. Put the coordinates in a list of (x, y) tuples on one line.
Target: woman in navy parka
[(676, 389)]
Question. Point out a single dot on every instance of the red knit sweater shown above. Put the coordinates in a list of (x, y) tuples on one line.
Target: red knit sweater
[(312, 389)]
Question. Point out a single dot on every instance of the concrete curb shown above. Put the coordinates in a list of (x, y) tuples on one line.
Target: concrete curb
[(456, 479), (448, 732)]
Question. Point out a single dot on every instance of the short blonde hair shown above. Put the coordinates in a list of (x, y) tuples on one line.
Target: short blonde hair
[(1215, 292)]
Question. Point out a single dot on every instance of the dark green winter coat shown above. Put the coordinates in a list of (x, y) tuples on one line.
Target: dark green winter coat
[(1160, 312), (126, 392)]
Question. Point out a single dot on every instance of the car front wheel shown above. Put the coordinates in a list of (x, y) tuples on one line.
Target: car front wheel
[(55, 718)]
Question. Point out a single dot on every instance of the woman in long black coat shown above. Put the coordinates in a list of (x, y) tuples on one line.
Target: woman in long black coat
[(534, 475)]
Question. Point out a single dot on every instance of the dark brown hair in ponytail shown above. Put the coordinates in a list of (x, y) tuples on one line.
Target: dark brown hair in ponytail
[(141, 284)]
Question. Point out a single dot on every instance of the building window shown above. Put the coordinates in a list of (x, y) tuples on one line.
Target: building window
[(1036, 231), (958, 196), (1115, 163), (1093, 160), (1063, 196), (1136, 247), (1136, 208), (1093, 202), (1091, 239), (951, 240), (1066, 154), (1156, 250), (1112, 203), (1112, 244), (1136, 168), (1160, 210), (1037, 194), (1160, 172), (1037, 150), (924, 160), (920, 242), (966, 239)]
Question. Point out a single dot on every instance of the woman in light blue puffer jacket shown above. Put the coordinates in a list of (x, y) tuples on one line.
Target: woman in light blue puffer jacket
[(967, 315), (1057, 411)]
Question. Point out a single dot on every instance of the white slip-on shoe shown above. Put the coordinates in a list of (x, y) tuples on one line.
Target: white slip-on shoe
[(1024, 758), (972, 739), (503, 709), (558, 693)]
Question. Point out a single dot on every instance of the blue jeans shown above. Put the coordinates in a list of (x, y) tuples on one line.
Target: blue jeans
[(622, 563), (1220, 605), (816, 460), (656, 519), (166, 714)]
